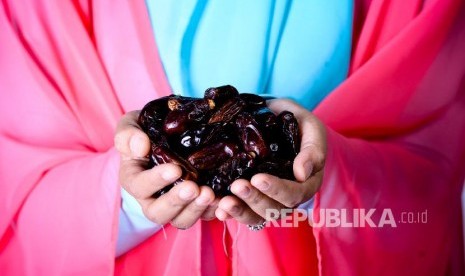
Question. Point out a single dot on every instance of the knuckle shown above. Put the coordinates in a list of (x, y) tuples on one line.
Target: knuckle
[(126, 182), (238, 211), (290, 204), (129, 183), (320, 159), (293, 202), (119, 141), (181, 225), (273, 192), (174, 200), (257, 198), (129, 176), (194, 210), (315, 185), (132, 187), (208, 216), (152, 216), (315, 154)]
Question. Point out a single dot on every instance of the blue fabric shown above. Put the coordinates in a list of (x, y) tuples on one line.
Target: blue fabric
[(133, 227), (292, 49), (287, 49)]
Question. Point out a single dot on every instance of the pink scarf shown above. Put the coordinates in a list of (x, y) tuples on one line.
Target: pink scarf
[(396, 127)]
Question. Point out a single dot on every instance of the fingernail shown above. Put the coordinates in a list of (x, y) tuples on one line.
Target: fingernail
[(169, 175), (244, 192), (186, 193), (135, 144), (308, 167), (263, 186), (202, 201), (234, 210)]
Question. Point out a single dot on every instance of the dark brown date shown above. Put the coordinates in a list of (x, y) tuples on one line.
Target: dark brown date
[(253, 101), (290, 131), (165, 190), (228, 111), (217, 132), (278, 167), (163, 155), (264, 117), (220, 138), (239, 166), (157, 136), (252, 139), (179, 102), (153, 114), (209, 156), (193, 137), (204, 134), (221, 94), (178, 120)]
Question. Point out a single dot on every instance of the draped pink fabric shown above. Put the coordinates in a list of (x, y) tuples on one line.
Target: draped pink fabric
[(403, 108), (396, 126), (68, 71)]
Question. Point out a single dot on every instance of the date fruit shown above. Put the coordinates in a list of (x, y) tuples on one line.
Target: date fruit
[(207, 157), (219, 138)]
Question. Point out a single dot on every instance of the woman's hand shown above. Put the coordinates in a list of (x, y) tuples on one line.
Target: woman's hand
[(265, 191), (183, 205)]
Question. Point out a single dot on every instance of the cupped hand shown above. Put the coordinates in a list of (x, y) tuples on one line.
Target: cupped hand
[(265, 191), (183, 205)]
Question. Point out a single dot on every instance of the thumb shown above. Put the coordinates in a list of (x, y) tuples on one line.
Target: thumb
[(312, 155), (129, 139), (139, 144)]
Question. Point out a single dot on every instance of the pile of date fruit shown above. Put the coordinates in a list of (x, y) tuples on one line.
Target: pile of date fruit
[(220, 137)]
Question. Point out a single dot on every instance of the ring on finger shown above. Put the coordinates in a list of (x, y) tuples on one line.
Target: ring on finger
[(257, 227)]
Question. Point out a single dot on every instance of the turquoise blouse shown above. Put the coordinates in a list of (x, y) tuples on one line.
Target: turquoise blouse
[(292, 49)]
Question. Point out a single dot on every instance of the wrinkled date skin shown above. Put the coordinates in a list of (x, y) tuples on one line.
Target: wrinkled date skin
[(163, 155), (228, 111), (220, 137), (238, 166), (207, 157), (251, 137)]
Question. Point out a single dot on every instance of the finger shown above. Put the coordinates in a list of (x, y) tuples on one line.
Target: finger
[(142, 183), (163, 209), (192, 212), (287, 192), (221, 214), (209, 213), (256, 200), (237, 210), (311, 157), (130, 140), (280, 105)]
